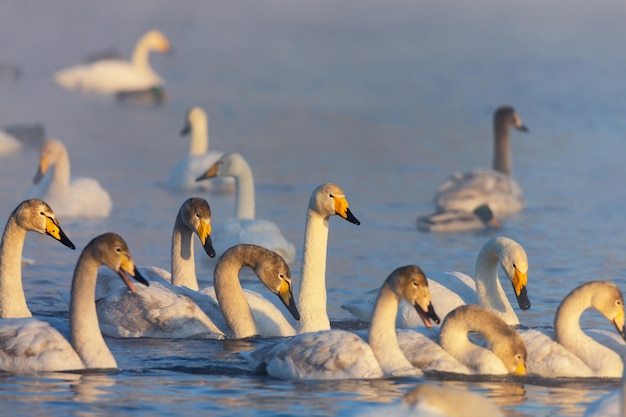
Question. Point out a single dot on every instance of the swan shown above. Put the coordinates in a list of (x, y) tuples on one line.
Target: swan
[(31, 345), (183, 175), (30, 215), (452, 289), (568, 351), (9, 144), (244, 227), (456, 353), (339, 354), (612, 404), (71, 197), (458, 220), (495, 187), (113, 76)]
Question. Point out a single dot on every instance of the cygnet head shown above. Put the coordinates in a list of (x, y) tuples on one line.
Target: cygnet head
[(196, 215), (50, 152), (329, 199), (155, 40), (511, 349), (410, 283), (195, 117), (37, 216), (507, 116), (514, 262)]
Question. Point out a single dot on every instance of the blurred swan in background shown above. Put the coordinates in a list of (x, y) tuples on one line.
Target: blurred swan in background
[(183, 175), (494, 187), (111, 76), (13, 138), (31, 345), (458, 220), (339, 354)]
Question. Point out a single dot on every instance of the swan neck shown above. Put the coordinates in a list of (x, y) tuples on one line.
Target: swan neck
[(230, 295), (502, 148), (312, 298), (86, 337), (182, 257), (199, 144), (382, 332), (61, 171), (140, 56), (489, 290), (12, 298), (244, 197)]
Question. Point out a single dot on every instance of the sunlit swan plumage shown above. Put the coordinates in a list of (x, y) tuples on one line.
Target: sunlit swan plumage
[(244, 227), (30, 345), (183, 175), (495, 187), (30, 215), (111, 76), (456, 353), (452, 289), (458, 220), (339, 354), (569, 351), (70, 197)]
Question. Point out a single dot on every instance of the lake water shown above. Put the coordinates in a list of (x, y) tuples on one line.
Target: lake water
[(384, 98)]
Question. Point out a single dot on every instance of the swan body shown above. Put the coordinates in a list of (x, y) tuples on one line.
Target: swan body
[(30, 215), (31, 345), (570, 352), (456, 353), (339, 354), (495, 187), (111, 76), (71, 197), (244, 227), (9, 144), (458, 220), (452, 289), (183, 175)]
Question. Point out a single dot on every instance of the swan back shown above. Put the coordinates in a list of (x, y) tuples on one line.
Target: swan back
[(507, 345)]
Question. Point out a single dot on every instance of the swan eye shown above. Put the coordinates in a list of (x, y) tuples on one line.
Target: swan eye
[(331, 196), (281, 276), (618, 302), (414, 284), (118, 250), (42, 213)]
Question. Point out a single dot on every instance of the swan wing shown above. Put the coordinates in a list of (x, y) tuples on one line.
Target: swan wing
[(422, 349)]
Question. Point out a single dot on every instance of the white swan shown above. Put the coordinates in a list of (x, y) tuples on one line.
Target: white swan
[(339, 354), (71, 197), (31, 345), (568, 351), (30, 215), (452, 289), (458, 220), (456, 353), (244, 227), (495, 187), (112, 75), (183, 175), (9, 144)]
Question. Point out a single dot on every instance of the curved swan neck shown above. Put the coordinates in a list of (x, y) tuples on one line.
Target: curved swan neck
[(382, 332), (140, 55), (86, 337), (502, 147), (312, 298), (244, 197), (199, 144), (12, 298), (230, 295), (183, 261), (489, 290)]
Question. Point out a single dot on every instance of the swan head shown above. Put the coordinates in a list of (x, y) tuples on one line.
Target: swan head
[(110, 249), (155, 40), (195, 116), (514, 262), (484, 213), (508, 117), (511, 349), (196, 215), (328, 200), (230, 164), (37, 216), (410, 283), (49, 153), (609, 301)]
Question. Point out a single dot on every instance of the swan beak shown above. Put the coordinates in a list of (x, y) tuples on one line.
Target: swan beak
[(341, 208), (41, 170), (618, 322), (427, 315), (520, 369), (210, 173), (186, 129), (519, 285), (204, 233), (522, 128), (286, 296), (53, 229), (126, 268)]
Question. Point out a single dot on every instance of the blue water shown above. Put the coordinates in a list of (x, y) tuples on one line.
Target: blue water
[(384, 98)]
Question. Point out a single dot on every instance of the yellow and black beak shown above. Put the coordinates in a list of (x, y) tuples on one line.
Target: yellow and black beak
[(204, 233), (41, 170), (520, 369), (127, 267), (341, 208), (286, 296), (53, 229), (186, 129), (427, 315), (519, 286), (618, 322), (211, 172)]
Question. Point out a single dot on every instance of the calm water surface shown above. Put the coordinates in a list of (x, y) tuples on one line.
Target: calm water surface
[(385, 99)]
